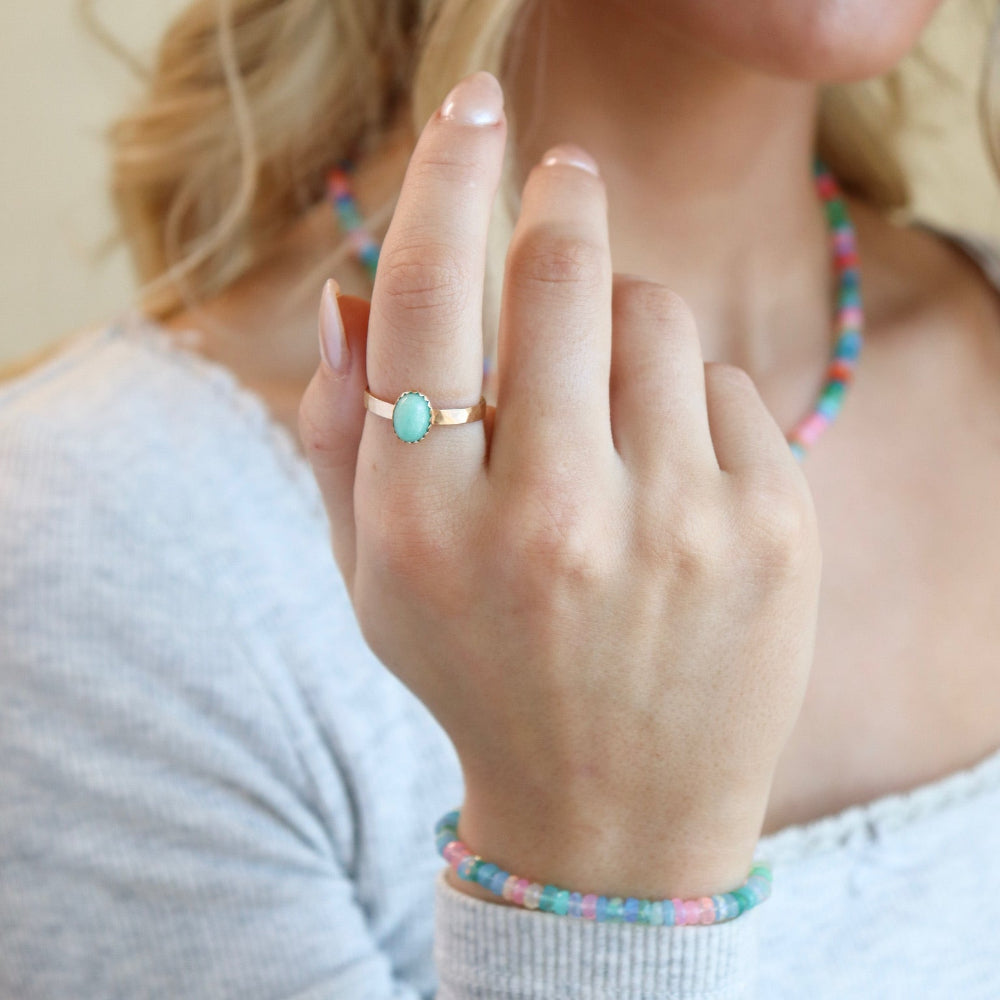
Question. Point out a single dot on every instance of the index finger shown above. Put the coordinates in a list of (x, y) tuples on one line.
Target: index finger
[(425, 332)]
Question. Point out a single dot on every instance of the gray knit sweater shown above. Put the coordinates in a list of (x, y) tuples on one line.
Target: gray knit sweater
[(210, 787)]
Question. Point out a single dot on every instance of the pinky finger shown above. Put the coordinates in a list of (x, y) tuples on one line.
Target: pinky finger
[(745, 435), (331, 420)]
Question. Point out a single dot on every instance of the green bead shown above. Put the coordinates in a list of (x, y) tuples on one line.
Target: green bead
[(836, 212), (616, 909), (411, 416), (834, 392), (744, 898), (548, 898), (560, 904)]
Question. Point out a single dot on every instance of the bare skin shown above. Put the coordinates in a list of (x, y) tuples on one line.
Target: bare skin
[(904, 687)]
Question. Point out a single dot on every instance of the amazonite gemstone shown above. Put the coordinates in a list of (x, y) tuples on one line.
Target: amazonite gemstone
[(411, 417)]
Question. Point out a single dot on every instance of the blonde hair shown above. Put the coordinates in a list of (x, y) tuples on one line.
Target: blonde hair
[(250, 101)]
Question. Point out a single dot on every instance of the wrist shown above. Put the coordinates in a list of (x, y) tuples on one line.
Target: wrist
[(689, 857)]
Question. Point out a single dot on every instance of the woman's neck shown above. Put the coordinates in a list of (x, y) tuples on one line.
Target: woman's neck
[(709, 175)]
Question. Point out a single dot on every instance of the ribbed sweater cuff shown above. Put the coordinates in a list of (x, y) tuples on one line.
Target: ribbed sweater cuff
[(487, 950)]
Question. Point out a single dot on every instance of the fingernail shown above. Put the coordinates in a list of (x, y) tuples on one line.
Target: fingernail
[(477, 100), (568, 155), (332, 341)]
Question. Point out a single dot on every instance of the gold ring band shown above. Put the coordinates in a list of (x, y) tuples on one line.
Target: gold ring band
[(412, 414)]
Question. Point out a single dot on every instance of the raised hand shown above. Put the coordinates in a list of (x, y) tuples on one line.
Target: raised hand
[(606, 592)]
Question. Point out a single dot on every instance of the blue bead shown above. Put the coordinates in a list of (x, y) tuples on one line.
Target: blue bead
[(560, 904), (601, 910), (350, 216), (616, 909), (485, 874), (449, 821), (575, 904), (848, 345), (498, 882), (669, 918), (444, 838), (631, 910)]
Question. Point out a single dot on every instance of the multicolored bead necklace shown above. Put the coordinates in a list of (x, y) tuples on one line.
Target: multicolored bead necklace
[(848, 322)]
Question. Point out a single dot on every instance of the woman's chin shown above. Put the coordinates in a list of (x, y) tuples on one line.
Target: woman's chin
[(827, 41)]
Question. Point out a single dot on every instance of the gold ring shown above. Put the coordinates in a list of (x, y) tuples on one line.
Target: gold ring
[(412, 414)]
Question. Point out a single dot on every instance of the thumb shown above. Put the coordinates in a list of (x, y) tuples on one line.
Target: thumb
[(332, 414)]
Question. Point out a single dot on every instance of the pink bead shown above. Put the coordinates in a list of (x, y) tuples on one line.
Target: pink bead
[(454, 852), (707, 910), (692, 911), (810, 429), (517, 895), (843, 241), (509, 886), (588, 906), (359, 239), (680, 917), (851, 316)]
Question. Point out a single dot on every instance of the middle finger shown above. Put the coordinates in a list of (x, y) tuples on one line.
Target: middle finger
[(554, 351)]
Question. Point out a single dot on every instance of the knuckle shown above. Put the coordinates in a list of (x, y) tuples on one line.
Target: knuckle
[(549, 539), (649, 302), (725, 376), (451, 163), (543, 258), (688, 540), (424, 276), (778, 524), (402, 541)]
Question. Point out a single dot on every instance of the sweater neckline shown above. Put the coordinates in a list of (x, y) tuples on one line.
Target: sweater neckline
[(247, 404), (854, 824)]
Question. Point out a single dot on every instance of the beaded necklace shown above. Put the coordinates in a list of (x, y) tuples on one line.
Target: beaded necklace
[(848, 320)]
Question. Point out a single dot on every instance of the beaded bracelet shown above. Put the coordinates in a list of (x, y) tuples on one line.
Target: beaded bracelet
[(563, 903)]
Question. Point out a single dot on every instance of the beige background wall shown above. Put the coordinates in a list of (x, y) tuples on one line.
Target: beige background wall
[(58, 89)]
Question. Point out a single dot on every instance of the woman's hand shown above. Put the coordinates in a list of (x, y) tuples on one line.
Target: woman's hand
[(606, 593)]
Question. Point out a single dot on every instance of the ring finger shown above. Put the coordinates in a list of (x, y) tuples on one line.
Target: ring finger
[(425, 329)]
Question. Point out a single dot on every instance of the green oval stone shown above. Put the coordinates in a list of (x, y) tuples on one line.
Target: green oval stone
[(411, 417)]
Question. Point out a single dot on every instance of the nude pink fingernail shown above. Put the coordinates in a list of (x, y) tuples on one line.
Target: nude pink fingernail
[(568, 155), (476, 100), (332, 339)]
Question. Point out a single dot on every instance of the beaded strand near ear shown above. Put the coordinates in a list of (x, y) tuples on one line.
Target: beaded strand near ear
[(590, 906)]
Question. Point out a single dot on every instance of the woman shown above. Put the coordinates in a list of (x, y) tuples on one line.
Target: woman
[(642, 640)]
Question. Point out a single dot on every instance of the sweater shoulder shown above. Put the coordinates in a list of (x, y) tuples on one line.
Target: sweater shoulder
[(132, 412)]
